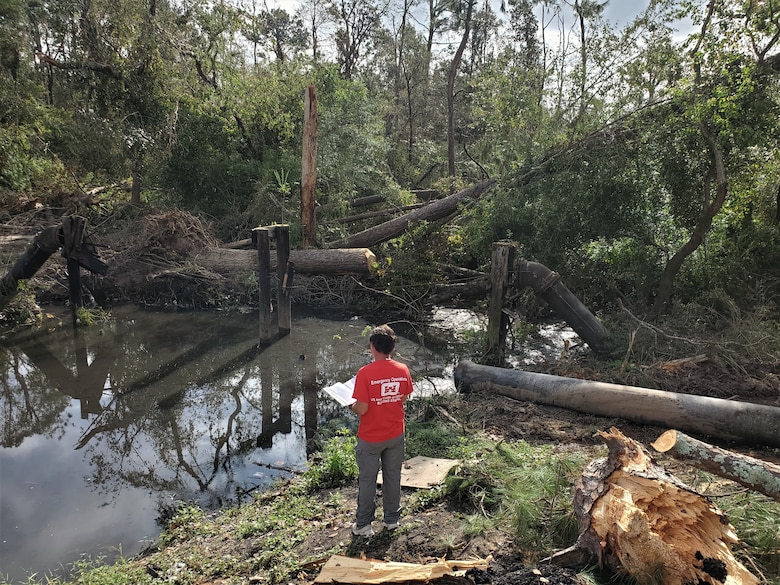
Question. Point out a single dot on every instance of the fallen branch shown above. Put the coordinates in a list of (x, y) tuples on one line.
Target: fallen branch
[(761, 476), (439, 209)]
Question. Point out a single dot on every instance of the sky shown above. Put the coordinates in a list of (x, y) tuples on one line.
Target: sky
[(617, 12), (620, 11)]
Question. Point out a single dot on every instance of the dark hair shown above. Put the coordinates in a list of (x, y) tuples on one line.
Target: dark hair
[(383, 339)]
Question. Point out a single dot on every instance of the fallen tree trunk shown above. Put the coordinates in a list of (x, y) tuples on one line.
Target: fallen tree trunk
[(43, 245), (477, 289), (639, 520), (229, 262), (726, 419), (395, 227), (378, 213), (761, 476)]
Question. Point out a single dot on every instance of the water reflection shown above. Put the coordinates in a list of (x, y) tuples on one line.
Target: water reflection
[(104, 427)]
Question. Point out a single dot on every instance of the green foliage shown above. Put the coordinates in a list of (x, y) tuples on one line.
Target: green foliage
[(337, 466), (189, 519), (87, 317), (352, 147), (208, 169), (23, 308), (408, 265)]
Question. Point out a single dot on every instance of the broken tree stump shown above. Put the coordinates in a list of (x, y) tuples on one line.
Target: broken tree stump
[(761, 476), (638, 520)]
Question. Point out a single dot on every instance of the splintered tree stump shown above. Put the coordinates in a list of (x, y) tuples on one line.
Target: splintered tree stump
[(639, 520)]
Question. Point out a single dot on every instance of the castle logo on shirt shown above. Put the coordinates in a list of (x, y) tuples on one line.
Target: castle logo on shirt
[(390, 389)]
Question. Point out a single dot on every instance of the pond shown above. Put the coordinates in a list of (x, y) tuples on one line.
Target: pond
[(106, 429)]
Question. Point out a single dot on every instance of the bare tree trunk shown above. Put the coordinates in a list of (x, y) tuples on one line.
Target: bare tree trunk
[(709, 211), (135, 189), (453, 73), (309, 170), (229, 262)]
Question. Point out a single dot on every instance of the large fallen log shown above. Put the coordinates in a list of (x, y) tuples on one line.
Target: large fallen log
[(229, 262), (638, 520), (726, 419), (761, 476), (431, 212)]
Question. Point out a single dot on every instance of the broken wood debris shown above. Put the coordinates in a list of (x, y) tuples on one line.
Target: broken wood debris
[(341, 569)]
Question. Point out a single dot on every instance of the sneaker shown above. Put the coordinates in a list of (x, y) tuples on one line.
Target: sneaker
[(364, 531), (389, 525)]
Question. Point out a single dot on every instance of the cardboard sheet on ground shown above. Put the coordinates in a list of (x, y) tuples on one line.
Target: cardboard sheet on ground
[(424, 472), (341, 569)]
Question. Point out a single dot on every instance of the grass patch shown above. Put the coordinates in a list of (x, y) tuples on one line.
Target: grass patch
[(336, 465), (522, 489)]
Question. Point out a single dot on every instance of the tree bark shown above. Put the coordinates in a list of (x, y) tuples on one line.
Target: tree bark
[(451, 77), (641, 521), (309, 170), (726, 419), (231, 263), (761, 476), (709, 210), (378, 213), (431, 212)]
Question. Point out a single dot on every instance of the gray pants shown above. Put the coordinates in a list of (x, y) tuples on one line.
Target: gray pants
[(369, 455)]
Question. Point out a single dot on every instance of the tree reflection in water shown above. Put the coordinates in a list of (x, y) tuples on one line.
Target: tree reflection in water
[(179, 407)]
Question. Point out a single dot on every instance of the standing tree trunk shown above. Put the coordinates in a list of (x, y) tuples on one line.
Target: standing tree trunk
[(135, 189), (309, 170), (453, 73), (709, 210)]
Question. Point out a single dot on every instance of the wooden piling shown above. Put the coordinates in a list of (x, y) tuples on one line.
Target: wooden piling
[(284, 272), (498, 321), (262, 239)]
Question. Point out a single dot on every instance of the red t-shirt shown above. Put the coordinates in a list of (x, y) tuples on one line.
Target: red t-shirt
[(382, 384)]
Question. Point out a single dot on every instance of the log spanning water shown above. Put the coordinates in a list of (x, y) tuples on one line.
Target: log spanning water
[(744, 422)]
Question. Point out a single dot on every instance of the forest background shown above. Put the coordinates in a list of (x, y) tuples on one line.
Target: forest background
[(638, 161)]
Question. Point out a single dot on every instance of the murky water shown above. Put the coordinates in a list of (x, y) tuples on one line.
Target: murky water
[(105, 428)]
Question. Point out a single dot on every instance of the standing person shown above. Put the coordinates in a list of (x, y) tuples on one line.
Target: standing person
[(381, 388)]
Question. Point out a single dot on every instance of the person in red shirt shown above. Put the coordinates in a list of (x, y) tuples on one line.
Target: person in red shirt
[(381, 388)]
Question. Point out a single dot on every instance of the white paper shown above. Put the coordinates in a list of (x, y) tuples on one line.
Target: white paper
[(341, 392)]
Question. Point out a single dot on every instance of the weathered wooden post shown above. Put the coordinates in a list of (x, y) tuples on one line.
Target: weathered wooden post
[(498, 321), (262, 239), (72, 236), (284, 273)]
